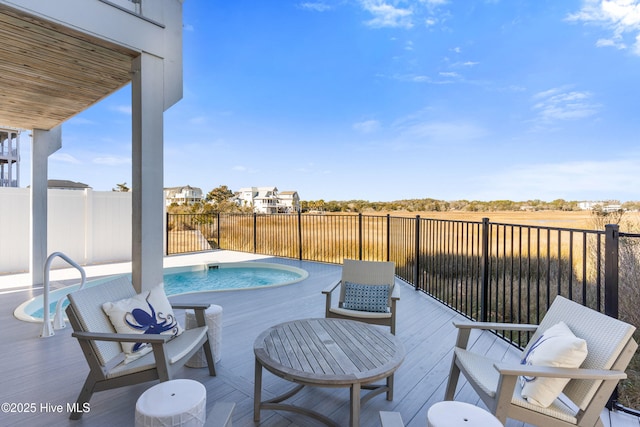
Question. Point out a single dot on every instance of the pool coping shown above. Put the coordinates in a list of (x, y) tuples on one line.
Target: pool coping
[(35, 303)]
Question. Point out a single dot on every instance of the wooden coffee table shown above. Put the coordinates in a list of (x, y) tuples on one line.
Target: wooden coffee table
[(326, 353)]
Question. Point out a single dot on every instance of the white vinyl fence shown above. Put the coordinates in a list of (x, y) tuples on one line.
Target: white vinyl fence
[(88, 226)]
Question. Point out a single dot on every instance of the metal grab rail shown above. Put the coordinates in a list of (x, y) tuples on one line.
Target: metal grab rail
[(58, 322)]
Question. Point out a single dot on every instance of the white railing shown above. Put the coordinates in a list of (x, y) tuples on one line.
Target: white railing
[(58, 321)]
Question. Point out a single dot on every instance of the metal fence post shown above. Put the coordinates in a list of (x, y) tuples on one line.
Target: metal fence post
[(255, 233), (416, 273), (166, 234), (388, 237), (218, 230), (611, 250), (360, 236), (484, 290), (300, 235)]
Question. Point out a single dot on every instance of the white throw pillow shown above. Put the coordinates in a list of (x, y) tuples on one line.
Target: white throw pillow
[(557, 347), (147, 313)]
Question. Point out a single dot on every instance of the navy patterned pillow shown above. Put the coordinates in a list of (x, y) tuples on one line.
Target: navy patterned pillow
[(372, 298)]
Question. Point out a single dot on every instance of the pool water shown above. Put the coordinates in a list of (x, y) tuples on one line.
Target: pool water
[(226, 278), (182, 281)]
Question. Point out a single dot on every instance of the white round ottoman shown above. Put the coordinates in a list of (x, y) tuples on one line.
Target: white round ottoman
[(213, 317), (460, 414), (172, 403)]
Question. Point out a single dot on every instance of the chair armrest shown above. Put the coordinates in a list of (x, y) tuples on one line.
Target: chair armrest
[(391, 419), (496, 326), (105, 336), (553, 372), (395, 293), (331, 287), (193, 305), (465, 327)]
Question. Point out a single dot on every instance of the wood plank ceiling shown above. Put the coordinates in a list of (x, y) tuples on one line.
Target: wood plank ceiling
[(49, 73)]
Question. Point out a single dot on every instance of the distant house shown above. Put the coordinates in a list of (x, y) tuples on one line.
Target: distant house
[(186, 195), (9, 157), (63, 184), (589, 205), (608, 206), (290, 201), (268, 200)]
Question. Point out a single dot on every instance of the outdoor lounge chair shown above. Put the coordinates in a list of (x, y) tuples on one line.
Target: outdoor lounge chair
[(101, 344), (367, 293), (609, 348)]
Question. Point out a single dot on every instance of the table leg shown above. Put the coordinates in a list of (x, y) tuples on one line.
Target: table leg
[(355, 405), (390, 387), (257, 391)]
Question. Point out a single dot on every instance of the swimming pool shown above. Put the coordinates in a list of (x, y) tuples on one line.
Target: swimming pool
[(185, 280)]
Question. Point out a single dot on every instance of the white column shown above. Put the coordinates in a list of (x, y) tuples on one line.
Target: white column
[(44, 143), (89, 225), (18, 161), (10, 160), (147, 171)]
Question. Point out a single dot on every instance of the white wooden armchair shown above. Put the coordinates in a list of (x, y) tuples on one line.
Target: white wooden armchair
[(101, 344), (610, 348), (372, 273)]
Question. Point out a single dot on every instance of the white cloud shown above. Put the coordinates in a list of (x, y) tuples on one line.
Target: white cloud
[(620, 17), (367, 126), (64, 158), (573, 180), (560, 104), (315, 6), (245, 169), (124, 109), (198, 120), (434, 2), (112, 160), (421, 79), (441, 131), (387, 15)]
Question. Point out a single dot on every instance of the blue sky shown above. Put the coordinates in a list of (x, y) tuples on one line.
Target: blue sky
[(384, 100)]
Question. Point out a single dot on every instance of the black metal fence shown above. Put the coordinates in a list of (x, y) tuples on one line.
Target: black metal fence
[(486, 271)]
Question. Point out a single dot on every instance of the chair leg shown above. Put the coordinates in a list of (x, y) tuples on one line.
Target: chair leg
[(83, 398), (210, 359), (452, 383)]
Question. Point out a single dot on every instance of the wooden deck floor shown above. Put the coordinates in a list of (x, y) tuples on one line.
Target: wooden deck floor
[(52, 370)]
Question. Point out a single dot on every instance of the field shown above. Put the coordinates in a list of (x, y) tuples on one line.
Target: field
[(584, 220)]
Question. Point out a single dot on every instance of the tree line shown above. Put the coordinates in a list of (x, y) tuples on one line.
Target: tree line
[(219, 199)]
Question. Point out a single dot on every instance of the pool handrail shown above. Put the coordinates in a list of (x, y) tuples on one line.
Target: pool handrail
[(58, 321)]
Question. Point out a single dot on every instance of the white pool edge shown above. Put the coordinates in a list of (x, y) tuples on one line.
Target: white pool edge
[(35, 303)]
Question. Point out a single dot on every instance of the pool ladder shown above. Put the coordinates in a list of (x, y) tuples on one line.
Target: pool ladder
[(48, 326)]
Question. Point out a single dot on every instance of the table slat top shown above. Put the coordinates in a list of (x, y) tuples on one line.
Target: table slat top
[(329, 351)]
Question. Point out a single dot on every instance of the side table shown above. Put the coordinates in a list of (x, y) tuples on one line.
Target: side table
[(172, 403), (213, 318), (460, 414)]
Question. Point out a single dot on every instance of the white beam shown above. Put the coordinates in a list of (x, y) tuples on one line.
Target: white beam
[(44, 143), (147, 158)]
